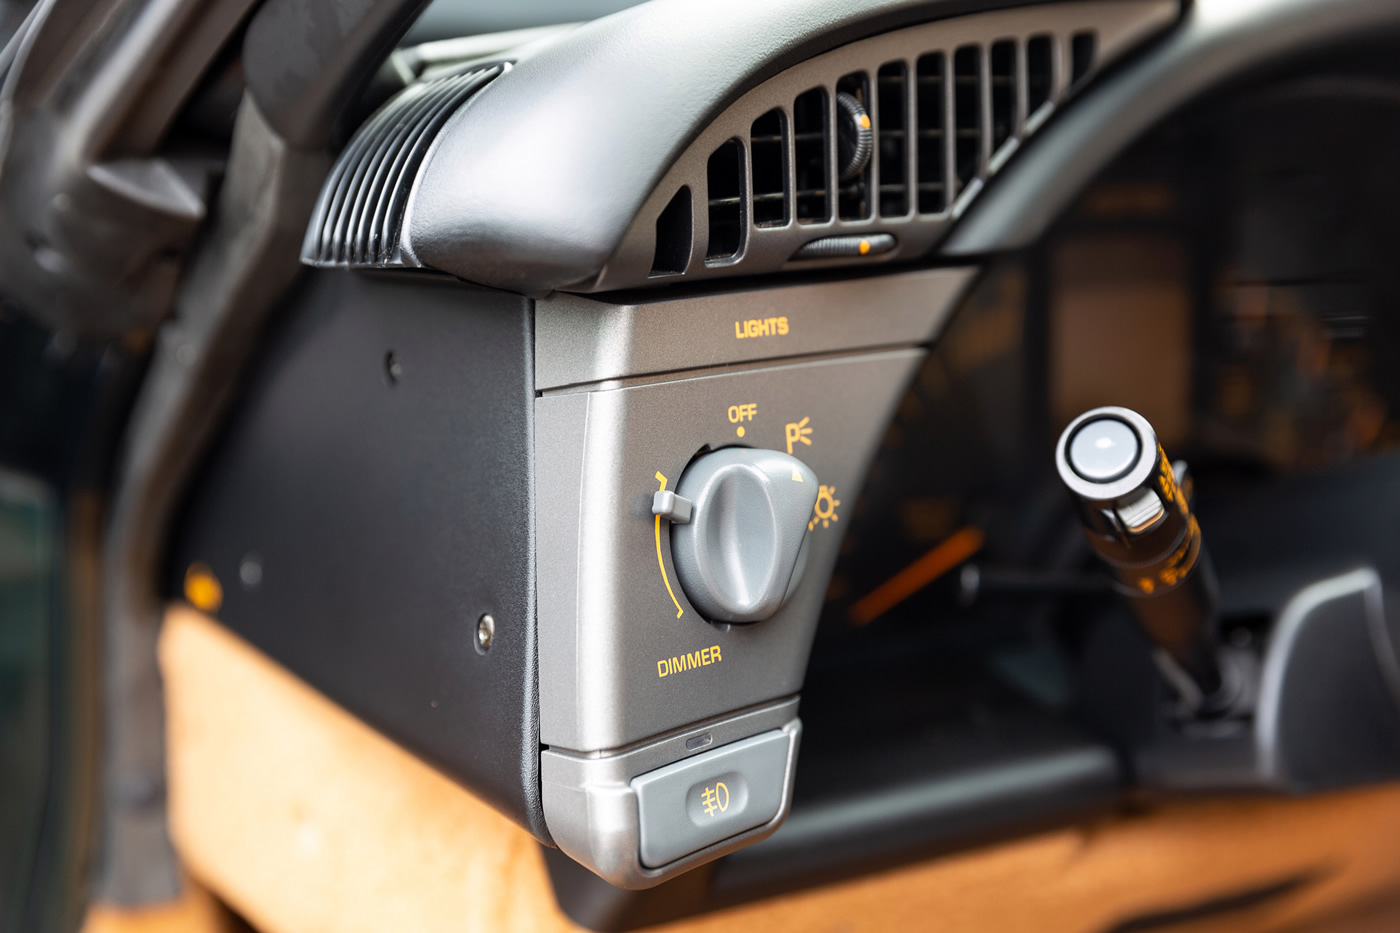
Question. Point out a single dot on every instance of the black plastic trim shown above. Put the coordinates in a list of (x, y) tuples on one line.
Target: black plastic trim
[(864, 830), (306, 60), (500, 215), (388, 507), (1217, 41)]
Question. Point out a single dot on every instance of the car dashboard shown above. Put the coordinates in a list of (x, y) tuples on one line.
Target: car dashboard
[(650, 424)]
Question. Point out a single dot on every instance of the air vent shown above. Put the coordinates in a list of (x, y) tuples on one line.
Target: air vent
[(866, 153), (768, 164), (1081, 56), (673, 236), (967, 113), (892, 124), (1040, 74), (931, 142), (1004, 91), (724, 176), (359, 216), (810, 126)]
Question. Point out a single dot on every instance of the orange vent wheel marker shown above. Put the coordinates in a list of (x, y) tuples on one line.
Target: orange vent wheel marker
[(202, 588)]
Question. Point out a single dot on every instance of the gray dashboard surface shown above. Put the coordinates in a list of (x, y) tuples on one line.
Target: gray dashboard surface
[(449, 19), (619, 99), (582, 340), (1216, 42)]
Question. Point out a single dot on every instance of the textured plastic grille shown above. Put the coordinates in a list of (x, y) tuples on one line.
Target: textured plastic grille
[(359, 215)]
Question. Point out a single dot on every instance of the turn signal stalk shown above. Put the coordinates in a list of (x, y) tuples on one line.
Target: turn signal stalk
[(1137, 519)]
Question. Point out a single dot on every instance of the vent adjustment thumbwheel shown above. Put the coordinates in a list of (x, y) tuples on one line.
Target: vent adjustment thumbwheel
[(855, 140)]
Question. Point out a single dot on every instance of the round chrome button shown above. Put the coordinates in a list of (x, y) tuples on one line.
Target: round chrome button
[(1104, 450)]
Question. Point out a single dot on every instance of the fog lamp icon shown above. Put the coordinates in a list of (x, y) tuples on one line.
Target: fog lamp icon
[(715, 798)]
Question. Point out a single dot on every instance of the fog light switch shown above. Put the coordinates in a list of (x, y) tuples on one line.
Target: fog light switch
[(693, 803)]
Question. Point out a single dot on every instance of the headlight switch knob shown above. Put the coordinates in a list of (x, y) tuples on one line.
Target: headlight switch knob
[(739, 521)]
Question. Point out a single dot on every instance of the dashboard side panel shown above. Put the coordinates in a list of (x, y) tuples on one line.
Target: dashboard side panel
[(624, 616), (372, 499)]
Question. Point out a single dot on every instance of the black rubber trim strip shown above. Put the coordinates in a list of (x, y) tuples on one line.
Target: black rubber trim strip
[(1214, 907)]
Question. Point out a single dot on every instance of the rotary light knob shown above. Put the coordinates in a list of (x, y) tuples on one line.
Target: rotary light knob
[(739, 531)]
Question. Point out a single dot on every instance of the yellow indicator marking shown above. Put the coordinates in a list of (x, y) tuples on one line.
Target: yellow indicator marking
[(799, 432), (659, 562), (761, 327), (864, 247), (825, 509), (715, 798), (202, 588), (695, 660), (864, 122), (744, 412), (946, 555)]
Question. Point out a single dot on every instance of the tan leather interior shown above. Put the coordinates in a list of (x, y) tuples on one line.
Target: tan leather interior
[(304, 819), (196, 911)]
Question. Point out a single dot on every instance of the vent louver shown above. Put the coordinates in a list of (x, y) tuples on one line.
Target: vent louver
[(1004, 92), (724, 178), (1082, 49), (892, 138), (931, 139), (768, 149), (966, 105), (935, 135), (1040, 73), (359, 215), (810, 122), (673, 233), (967, 114), (939, 122)]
